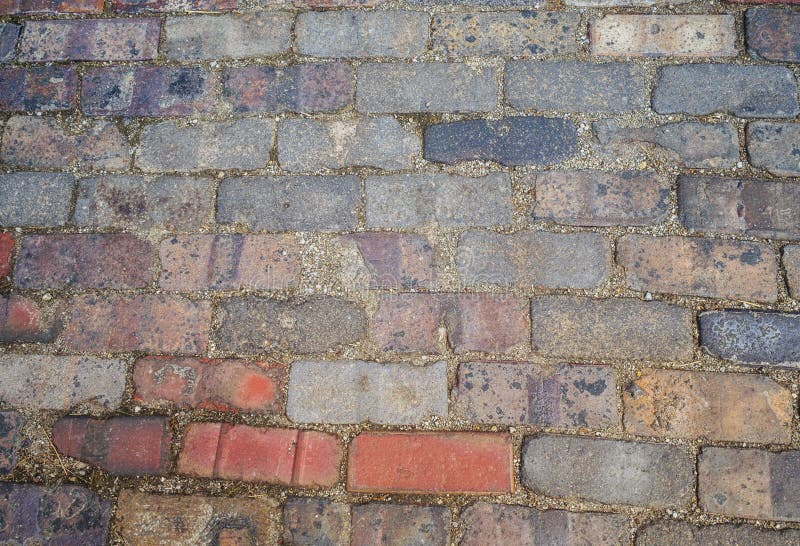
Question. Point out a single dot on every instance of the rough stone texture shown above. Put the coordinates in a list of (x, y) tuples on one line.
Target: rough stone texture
[(50, 6), (35, 199), (38, 89), (774, 147), (773, 34), (396, 524), (11, 423), (608, 471), (387, 260), (312, 522), (27, 321), (680, 533), (752, 337), (138, 6), (791, 263), (9, 32)]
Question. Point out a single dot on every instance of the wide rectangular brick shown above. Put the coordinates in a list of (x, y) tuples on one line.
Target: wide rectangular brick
[(791, 263), (290, 203), (715, 406), (12, 7), (773, 147), (577, 327), (6, 253), (356, 391), (9, 32), (713, 268), (64, 383), (35, 199), (23, 320), (382, 33), (679, 533), (435, 462), (773, 34), (38, 89), (11, 438), (752, 337), (308, 521), (148, 322), (138, 6), (90, 40), (381, 523), (303, 458), (387, 260)]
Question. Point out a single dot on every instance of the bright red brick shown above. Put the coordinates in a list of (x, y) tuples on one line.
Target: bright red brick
[(24, 320), (50, 6), (6, 252), (38, 89), (136, 6)]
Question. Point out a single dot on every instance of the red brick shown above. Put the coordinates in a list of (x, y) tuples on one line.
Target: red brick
[(50, 6), (6, 253), (272, 455), (137, 6), (123, 446), (38, 89), (24, 320), (439, 462), (222, 385), (149, 322), (388, 260)]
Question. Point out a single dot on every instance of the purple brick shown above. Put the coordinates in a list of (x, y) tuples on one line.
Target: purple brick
[(138, 6), (9, 32), (10, 435), (38, 89)]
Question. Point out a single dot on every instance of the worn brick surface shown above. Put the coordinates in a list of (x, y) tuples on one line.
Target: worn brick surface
[(751, 336), (309, 521), (623, 3), (6, 253), (25, 320), (39, 89), (378, 523), (35, 199), (11, 438), (50, 6), (387, 260), (773, 34), (791, 263), (9, 32), (137, 6), (676, 533), (773, 147)]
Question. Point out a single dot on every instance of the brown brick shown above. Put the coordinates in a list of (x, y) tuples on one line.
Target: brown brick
[(791, 262), (681, 533), (313, 521), (50, 6), (6, 252), (23, 320), (387, 260), (379, 523), (773, 34), (138, 6), (409, 323), (39, 89)]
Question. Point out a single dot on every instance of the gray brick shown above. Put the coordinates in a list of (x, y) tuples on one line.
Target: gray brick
[(381, 523), (746, 91), (791, 263), (9, 32), (752, 337), (314, 521), (681, 533), (11, 439), (774, 147), (624, 3), (35, 199), (291, 203), (575, 86), (773, 34), (357, 391), (414, 200)]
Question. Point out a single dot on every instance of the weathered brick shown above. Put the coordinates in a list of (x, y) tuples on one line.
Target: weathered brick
[(387, 260), (773, 34), (239, 36), (680, 533), (745, 91), (577, 327), (381, 142), (773, 147), (90, 40), (11, 423), (290, 203), (314, 521), (6, 253), (44, 142), (35, 199), (9, 32), (623, 3), (791, 263), (764, 1), (356, 391), (454, 462), (308, 87), (608, 471), (222, 385), (303, 458), (107, 443), (237, 144), (664, 35), (383, 33), (409, 323), (572, 86), (39, 89), (138, 6), (416, 200), (510, 141), (533, 259), (379, 523), (713, 268), (313, 325), (78, 260), (26, 321), (12, 7), (147, 322), (717, 406), (752, 336)]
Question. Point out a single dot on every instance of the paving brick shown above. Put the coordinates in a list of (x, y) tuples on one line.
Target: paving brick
[(745, 91), (664, 35), (773, 147), (90, 40), (713, 268), (45, 143), (12, 7), (147, 91), (573, 86), (381, 142), (356, 391), (524, 33), (26, 321), (108, 443), (290, 203), (485, 523), (384, 33), (510, 141), (35, 199), (303, 458), (11, 437), (409, 323), (434, 462), (791, 263), (9, 32), (147, 322), (222, 385), (312, 325), (237, 144), (764, 1), (415, 200), (762, 338), (533, 259), (308, 87), (313, 521), (773, 34), (138, 6), (387, 260), (38, 89), (578, 327), (623, 3), (678, 533), (397, 524), (77, 260), (717, 406), (6, 253), (239, 36)]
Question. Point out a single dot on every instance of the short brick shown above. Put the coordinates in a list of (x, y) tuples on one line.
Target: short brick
[(383, 33), (107, 443), (454, 462), (312, 521), (35, 199), (221, 385), (379, 523), (237, 144), (716, 406), (745, 91), (772, 146), (510, 141), (290, 203), (773, 34), (11, 438), (23, 320), (9, 32), (577, 327), (148, 322), (680, 533), (6, 253), (138, 6), (40, 89), (356, 391), (387, 260), (791, 263), (13, 7), (303, 458), (713, 268), (752, 337)]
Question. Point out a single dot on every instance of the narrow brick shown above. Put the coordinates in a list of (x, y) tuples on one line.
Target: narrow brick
[(713, 268), (9, 32), (290, 203), (382, 33), (773, 147), (11, 437), (379, 523), (454, 462), (13, 7), (221, 385), (6, 253), (791, 263), (23, 320), (680, 533), (387, 260), (35, 199), (773, 34), (752, 337), (39, 89), (312, 521), (577, 327), (148, 322), (139, 6)]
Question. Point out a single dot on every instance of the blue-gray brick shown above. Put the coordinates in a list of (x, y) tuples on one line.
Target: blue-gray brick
[(774, 147), (35, 199), (9, 32), (752, 337)]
